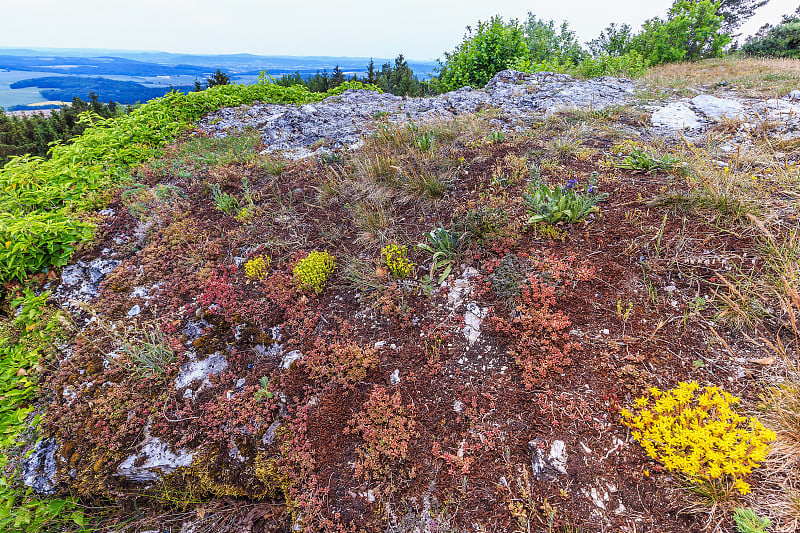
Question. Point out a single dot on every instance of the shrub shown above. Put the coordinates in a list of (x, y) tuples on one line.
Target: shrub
[(312, 272), (561, 204), (396, 259), (696, 432), (630, 65), (482, 54), (256, 268), (545, 43)]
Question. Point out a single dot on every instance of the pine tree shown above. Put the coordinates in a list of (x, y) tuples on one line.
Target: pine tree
[(218, 78)]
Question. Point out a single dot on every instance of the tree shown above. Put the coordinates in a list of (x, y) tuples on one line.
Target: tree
[(737, 12), (482, 54), (371, 71), (218, 78), (337, 77), (546, 44), (691, 32), (782, 40), (614, 40)]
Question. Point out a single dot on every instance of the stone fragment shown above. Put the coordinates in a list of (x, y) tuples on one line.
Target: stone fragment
[(549, 465), (394, 378)]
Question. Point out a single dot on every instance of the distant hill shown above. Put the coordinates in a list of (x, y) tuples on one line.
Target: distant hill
[(65, 88)]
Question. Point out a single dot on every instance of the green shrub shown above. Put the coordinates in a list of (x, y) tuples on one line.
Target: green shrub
[(630, 65), (312, 272), (483, 53), (691, 32)]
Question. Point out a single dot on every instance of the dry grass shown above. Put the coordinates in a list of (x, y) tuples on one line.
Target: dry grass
[(749, 76)]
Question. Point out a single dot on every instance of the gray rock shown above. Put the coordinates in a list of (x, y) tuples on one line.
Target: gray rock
[(340, 121), (289, 358), (39, 468), (794, 95), (135, 310), (473, 319), (547, 466), (717, 108), (153, 459), (200, 370), (394, 378)]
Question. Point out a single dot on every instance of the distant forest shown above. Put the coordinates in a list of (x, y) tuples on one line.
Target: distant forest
[(65, 88), (33, 134), (396, 79)]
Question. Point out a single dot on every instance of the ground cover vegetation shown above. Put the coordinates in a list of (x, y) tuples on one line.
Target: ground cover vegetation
[(341, 255), (614, 275)]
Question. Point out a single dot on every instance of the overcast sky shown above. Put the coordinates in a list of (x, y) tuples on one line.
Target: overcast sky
[(421, 29)]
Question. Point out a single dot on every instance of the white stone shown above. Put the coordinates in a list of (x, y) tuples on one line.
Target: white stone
[(200, 370), (394, 379), (717, 108), (289, 358), (677, 116)]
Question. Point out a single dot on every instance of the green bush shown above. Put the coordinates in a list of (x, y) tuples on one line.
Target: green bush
[(548, 45), (483, 53), (630, 65)]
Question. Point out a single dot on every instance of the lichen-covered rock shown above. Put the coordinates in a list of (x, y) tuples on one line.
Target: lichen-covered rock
[(39, 470), (341, 121)]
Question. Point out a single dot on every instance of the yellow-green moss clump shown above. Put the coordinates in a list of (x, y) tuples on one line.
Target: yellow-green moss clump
[(396, 259), (312, 272), (695, 431), (257, 267)]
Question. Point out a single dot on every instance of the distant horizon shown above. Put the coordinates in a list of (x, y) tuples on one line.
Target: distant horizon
[(422, 30), (249, 54)]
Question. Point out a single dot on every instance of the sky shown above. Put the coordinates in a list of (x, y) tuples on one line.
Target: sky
[(420, 29)]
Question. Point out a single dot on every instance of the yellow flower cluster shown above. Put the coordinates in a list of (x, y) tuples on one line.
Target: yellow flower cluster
[(695, 431), (396, 258), (312, 272), (256, 268)]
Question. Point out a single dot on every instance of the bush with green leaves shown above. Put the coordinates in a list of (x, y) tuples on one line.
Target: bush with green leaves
[(492, 47), (548, 44), (561, 204), (645, 161)]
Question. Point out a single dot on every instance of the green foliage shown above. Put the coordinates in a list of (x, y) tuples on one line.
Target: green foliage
[(227, 203), (150, 357), (546, 44), (396, 259), (613, 41), (312, 272), (443, 246), (491, 48), (561, 204), (747, 521), (629, 65), (482, 223), (42, 201), (782, 40), (509, 276), (642, 160)]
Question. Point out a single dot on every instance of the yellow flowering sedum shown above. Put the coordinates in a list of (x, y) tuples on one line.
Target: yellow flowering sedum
[(257, 267), (694, 430), (312, 272), (396, 258)]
